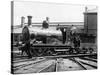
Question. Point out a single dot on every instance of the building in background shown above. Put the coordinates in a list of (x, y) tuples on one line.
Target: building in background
[(90, 26), (90, 22)]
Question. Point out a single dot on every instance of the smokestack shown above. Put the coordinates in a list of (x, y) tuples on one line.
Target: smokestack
[(29, 20), (22, 21)]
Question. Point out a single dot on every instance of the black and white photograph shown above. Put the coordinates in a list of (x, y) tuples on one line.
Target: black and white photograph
[(53, 37)]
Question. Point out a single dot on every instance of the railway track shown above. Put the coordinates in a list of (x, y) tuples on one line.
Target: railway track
[(90, 59), (25, 63), (54, 64), (22, 60), (50, 68), (79, 63), (88, 62), (37, 67)]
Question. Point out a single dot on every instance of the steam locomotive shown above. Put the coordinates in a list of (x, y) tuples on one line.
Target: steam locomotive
[(48, 43)]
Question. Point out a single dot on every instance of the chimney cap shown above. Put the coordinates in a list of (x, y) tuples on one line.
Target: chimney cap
[(23, 17), (29, 16)]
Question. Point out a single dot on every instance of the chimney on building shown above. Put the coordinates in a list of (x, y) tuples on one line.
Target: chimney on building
[(86, 20), (22, 21), (29, 20), (86, 9)]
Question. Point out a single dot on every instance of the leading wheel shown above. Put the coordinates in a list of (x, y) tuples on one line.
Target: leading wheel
[(50, 51), (40, 51)]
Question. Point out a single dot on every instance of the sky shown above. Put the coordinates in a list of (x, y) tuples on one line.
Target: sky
[(55, 11)]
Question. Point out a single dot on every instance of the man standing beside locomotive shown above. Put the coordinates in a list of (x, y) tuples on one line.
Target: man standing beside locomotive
[(75, 39), (63, 30)]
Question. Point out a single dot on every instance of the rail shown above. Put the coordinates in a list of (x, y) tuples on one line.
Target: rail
[(73, 55)]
